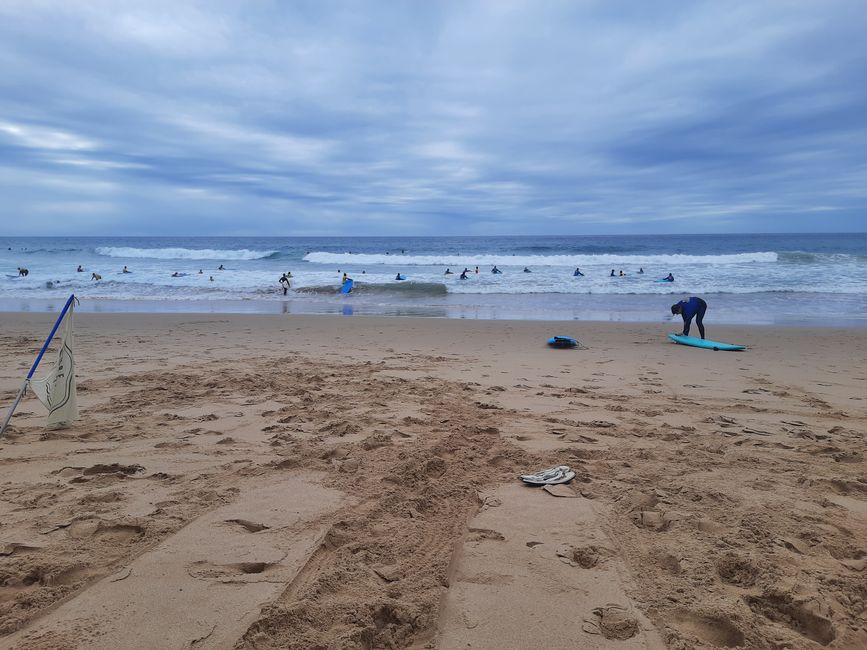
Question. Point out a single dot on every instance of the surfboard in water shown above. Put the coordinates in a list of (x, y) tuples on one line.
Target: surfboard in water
[(347, 286), (704, 343)]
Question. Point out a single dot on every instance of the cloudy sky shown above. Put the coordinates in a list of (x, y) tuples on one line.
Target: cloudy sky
[(317, 118)]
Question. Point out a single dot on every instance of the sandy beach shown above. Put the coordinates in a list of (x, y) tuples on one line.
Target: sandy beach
[(261, 481)]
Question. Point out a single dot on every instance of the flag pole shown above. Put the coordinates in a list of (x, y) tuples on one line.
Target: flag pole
[(36, 363)]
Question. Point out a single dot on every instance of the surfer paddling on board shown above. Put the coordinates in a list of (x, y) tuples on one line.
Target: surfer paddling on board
[(694, 307)]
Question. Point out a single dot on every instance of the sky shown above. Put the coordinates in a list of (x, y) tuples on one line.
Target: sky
[(361, 118)]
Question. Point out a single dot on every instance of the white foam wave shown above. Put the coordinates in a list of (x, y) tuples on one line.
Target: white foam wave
[(182, 253), (459, 260)]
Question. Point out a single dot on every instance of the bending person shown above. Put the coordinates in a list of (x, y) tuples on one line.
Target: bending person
[(694, 307)]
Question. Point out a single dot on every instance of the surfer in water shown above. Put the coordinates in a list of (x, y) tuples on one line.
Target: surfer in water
[(641, 271), (22, 272), (526, 270), (95, 276), (221, 268), (495, 270), (669, 278), (689, 309), (284, 282), (577, 272), (612, 274), (79, 269), (464, 274), (448, 272), (126, 270)]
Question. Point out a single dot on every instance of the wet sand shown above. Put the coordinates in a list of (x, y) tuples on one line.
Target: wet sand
[(292, 481)]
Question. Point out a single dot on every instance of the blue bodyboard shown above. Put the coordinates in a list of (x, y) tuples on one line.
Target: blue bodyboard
[(347, 286), (562, 342)]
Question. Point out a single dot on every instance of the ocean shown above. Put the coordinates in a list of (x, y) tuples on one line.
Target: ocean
[(757, 279)]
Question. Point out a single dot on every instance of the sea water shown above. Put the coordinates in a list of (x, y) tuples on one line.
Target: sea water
[(815, 278)]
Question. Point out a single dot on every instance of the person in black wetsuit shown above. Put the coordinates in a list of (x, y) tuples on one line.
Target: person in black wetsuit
[(694, 307)]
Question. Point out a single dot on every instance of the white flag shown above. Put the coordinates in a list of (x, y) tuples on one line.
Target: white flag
[(57, 389)]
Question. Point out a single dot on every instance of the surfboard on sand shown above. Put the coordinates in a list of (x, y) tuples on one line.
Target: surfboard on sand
[(347, 286), (704, 343)]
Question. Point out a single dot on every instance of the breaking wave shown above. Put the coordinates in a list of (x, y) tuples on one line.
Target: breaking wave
[(487, 259), (403, 289), (183, 253)]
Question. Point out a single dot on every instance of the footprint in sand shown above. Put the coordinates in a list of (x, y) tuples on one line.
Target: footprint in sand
[(482, 534), (712, 629), (800, 616), (612, 622)]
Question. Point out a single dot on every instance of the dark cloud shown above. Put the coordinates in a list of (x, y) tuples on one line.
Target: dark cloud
[(432, 118)]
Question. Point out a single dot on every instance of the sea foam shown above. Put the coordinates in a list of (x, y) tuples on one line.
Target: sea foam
[(183, 253), (487, 259)]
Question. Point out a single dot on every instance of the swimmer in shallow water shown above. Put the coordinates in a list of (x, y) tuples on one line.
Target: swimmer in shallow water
[(95, 276), (126, 270)]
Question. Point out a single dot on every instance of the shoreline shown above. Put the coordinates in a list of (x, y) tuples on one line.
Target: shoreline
[(662, 328), (725, 309)]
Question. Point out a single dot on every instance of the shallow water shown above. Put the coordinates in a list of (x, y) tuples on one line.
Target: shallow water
[(818, 279)]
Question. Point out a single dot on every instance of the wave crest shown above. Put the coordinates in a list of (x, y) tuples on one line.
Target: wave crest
[(459, 260), (183, 253)]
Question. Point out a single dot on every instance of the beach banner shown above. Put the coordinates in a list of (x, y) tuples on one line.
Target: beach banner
[(57, 389)]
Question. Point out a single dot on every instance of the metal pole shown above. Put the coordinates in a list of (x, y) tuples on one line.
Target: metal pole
[(36, 363)]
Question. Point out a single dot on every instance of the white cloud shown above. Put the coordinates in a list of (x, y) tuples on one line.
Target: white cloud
[(37, 137)]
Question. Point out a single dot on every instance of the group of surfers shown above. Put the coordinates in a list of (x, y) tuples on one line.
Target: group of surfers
[(96, 277), (578, 273)]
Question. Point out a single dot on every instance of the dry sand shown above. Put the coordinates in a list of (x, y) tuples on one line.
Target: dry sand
[(329, 482)]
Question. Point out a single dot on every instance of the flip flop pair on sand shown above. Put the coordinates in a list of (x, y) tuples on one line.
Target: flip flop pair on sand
[(551, 476)]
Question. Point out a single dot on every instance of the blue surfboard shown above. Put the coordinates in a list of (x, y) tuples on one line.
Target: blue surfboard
[(562, 342), (347, 286), (704, 343), (663, 280)]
